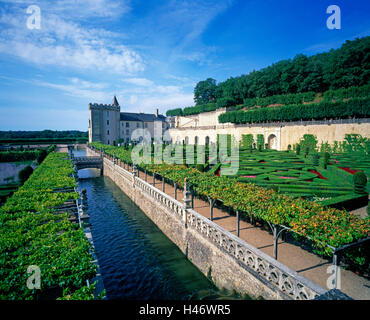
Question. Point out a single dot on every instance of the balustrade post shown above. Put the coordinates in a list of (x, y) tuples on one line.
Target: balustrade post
[(114, 158), (163, 184), (237, 223), (134, 170), (187, 199), (192, 198), (211, 205), (275, 230), (336, 261), (153, 178), (175, 187)]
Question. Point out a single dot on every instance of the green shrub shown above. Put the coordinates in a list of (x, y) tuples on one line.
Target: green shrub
[(247, 141), (298, 149), (326, 160), (359, 182), (225, 102), (24, 174), (315, 159), (306, 151), (174, 112), (14, 156), (260, 141), (41, 155), (309, 142)]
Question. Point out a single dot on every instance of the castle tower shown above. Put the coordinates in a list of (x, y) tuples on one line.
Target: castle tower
[(104, 122)]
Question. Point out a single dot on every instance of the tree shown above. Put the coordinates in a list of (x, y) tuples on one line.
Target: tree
[(41, 156), (359, 182), (204, 91)]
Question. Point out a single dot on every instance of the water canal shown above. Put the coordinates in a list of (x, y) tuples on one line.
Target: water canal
[(137, 261)]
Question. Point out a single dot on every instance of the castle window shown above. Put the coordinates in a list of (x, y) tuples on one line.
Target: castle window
[(137, 124), (127, 132), (127, 124), (108, 133), (108, 116), (108, 122)]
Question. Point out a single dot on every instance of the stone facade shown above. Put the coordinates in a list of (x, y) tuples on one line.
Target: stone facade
[(198, 129)]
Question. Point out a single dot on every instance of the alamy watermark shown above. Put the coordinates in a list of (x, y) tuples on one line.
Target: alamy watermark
[(34, 20), (225, 151), (34, 280), (334, 20)]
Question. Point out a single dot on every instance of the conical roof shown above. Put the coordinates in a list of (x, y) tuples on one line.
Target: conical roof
[(115, 102)]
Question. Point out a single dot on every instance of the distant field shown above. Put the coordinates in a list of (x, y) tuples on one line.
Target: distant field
[(26, 141)]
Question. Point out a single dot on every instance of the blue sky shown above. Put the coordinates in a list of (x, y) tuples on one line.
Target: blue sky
[(150, 53)]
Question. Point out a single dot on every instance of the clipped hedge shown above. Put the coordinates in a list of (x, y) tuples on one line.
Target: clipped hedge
[(174, 112), (347, 93), (16, 156), (285, 99), (359, 108)]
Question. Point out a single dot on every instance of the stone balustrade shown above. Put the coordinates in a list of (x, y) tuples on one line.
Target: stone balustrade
[(286, 280)]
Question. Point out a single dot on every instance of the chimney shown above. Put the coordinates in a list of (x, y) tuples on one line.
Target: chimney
[(156, 113)]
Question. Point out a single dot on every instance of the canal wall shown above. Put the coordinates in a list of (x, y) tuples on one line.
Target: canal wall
[(231, 262)]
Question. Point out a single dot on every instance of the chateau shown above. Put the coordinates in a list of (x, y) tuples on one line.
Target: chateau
[(109, 125)]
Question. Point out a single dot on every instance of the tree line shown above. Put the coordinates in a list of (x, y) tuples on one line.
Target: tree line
[(344, 67), (42, 134)]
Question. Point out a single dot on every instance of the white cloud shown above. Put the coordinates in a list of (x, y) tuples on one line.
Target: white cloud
[(142, 82), (63, 42), (77, 9), (95, 92)]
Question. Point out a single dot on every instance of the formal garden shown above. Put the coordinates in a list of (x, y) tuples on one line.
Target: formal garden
[(323, 173)]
